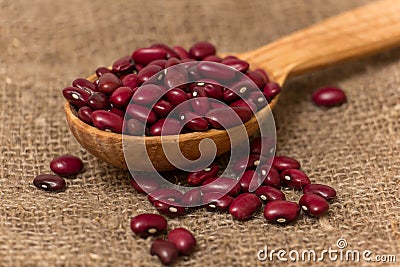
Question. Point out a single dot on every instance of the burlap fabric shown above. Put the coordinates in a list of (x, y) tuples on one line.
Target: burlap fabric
[(45, 44)]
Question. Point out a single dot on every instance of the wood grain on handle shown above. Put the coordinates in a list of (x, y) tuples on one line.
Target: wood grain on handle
[(359, 32)]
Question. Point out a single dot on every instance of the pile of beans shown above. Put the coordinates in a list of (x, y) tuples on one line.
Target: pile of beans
[(114, 95), (66, 166)]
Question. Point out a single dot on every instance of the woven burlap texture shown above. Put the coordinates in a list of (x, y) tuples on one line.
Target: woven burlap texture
[(45, 44)]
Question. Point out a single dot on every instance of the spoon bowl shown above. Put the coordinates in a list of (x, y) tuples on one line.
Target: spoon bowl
[(353, 34)]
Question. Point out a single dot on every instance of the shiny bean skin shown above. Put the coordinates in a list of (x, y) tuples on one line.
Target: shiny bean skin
[(170, 52), (85, 85), (148, 224), (257, 78), (107, 121), (159, 62), (269, 193), (172, 62), (166, 126), (121, 96), (192, 198), (263, 74), (281, 211), (166, 252), (98, 100), (215, 71), (217, 201), (329, 96), (322, 190), (162, 108), (244, 206), (144, 56), (213, 90), (249, 181), (183, 240), (49, 182), (294, 178), (123, 65), (201, 50), (213, 58), (102, 70), (147, 73), (141, 113), (271, 90), (85, 115), (130, 80), (108, 83), (216, 105), (272, 177), (197, 178), (193, 121), (200, 105), (229, 96), (262, 146), (282, 163), (244, 103), (76, 96), (313, 205), (237, 64), (176, 96), (222, 185), (117, 111), (226, 118), (246, 162), (134, 127), (147, 94), (181, 52), (66, 165), (170, 194), (258, 98), (175, 76), (169, 208)]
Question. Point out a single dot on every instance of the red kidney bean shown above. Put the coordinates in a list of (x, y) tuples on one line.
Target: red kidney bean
[(176, 96), (76, 96), (212, 89), (66, 165), (166, 126), (264, 74), (49, 182), (108, 83), (148, 224), (193, 121), (175, 76), (98, 101), (268, 193), (244, 103), (172, 62), (314, 205), (144, 56), (282, 163), (217, 105), (246, 162), (148, 72), (217, 201), (170, 52), (121, 96), (194, 75), (183, 240), (229, 96), (200, 105), (159, 62), (141, 113), (162, 108), (166, 252), (237, 64), (281, 211), (182, 53), (117, 111), (249, 180), (329, 96), (258, 98), (101, 70), (244, 206), (224, 118), (201, 50), (147, 185), (221, 184), (272, 177), (191, 198), (271, 90), (85, 115), (257, 78), (262, 146), (134, 127), (213, 58), (169, 194), (123, 65), (215, 71), (107, 121), (197, 178), (169, 208), (147, 94), (294, 178), (130, 80), (85, 85), (322, 190)]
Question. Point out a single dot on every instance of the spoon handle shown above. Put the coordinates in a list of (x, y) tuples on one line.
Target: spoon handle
[(352, 34)]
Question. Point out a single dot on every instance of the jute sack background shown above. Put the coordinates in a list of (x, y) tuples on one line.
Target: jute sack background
[(45, 44)]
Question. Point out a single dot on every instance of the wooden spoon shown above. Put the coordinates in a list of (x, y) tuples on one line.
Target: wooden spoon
[(356, 33)]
